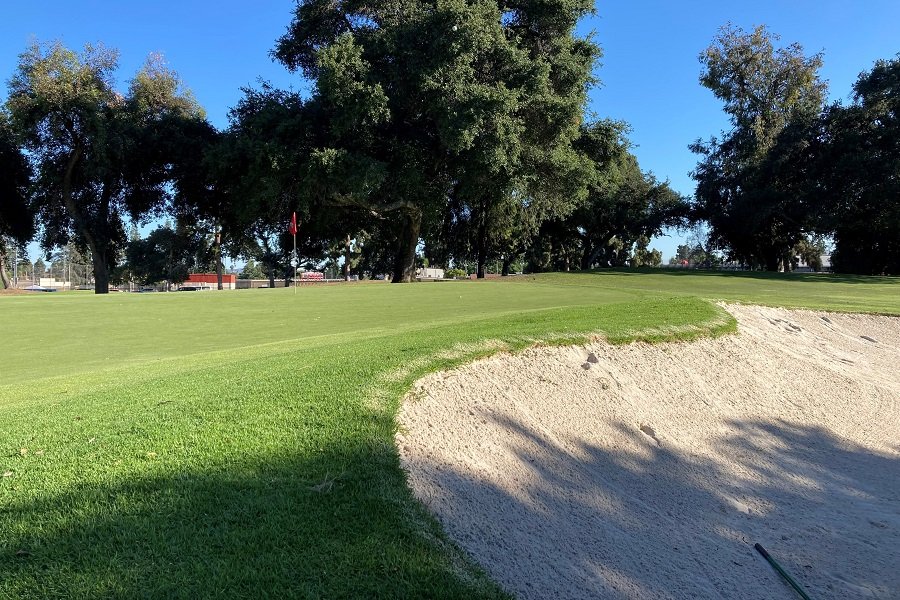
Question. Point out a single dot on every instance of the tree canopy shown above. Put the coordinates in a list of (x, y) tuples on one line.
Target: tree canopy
[(860, 174), (750, 180), (624, 206), (451, 133), (459, 101), (168, 254), (792, 173), (16, 215), (16, 218), (99, 156)]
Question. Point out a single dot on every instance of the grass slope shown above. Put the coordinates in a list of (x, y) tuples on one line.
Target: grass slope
[(241, 444)]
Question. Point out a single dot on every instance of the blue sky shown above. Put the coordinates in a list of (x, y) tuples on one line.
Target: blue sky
[(649, 69)]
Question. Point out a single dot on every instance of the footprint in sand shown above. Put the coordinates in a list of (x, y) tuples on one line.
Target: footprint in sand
[(788, 326), (648, 431)]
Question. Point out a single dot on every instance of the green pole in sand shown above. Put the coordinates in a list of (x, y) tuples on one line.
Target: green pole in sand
[(783, 573)]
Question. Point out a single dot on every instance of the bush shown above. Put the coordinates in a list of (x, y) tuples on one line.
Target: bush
[(455, 274)]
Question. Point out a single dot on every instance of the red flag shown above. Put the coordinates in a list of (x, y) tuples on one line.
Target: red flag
[(293, 228)]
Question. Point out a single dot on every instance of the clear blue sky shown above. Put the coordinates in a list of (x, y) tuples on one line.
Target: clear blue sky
[(649, 71)]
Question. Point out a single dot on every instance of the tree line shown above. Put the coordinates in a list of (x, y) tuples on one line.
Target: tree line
[(793, 170), (451, 134)]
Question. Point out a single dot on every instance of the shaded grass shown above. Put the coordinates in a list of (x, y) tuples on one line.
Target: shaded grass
[(241, 445)]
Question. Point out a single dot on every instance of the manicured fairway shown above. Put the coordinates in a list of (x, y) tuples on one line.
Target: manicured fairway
[(240, 444), (844, 293)]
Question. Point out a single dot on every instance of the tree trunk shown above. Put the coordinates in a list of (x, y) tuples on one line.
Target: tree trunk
[(101, 271), (506, 263), (347, 259), (219, 285), (405, 259), (98, 247), (787, 259), (482, 246), (587, 257), (4, 278), (272, 277)]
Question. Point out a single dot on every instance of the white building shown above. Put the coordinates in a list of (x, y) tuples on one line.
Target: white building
[(428, 273)]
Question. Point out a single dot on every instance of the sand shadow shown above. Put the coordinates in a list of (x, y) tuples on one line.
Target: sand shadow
[(645, 521)]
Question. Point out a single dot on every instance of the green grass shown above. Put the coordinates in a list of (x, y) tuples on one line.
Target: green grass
[(241, 444), (842, 293)]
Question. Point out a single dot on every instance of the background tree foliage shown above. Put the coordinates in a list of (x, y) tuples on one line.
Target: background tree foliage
[(169, 254), (623, 206), (474, 103), (447, 133), (266, 166), (689, 255), (752, 186), (98, 156), (791, 174), (16, 217), (860, 174)]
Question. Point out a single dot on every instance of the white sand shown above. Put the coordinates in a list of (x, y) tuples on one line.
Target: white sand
[(652, 473)]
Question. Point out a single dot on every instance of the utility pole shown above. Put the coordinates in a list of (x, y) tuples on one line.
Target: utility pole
[(16, 266)]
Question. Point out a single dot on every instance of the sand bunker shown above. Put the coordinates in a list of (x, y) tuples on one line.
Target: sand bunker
[(649, 471)]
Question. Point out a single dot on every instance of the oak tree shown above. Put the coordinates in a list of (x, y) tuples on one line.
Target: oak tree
[(99, 156), (751, 180)]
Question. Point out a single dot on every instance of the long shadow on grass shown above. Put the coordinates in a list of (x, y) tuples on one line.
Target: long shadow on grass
[(258, 527), (644, 521)]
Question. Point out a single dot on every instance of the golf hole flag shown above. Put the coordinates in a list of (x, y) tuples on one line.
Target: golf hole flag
[(293, 228)]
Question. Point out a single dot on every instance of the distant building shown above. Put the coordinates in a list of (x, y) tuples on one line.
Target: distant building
[(825, 265), (427, 273), (52, 283), (210, 281)]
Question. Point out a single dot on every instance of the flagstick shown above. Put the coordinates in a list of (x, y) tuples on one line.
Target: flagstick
[(295, 264)]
